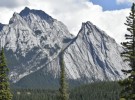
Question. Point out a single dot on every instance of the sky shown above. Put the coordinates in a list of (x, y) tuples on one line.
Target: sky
[(108, 15), (113, 4)]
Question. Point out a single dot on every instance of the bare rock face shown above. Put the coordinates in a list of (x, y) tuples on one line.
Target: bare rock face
[(94, 55)]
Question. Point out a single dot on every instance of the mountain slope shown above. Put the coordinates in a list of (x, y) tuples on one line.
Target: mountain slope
[(94, 55), (91, 56)]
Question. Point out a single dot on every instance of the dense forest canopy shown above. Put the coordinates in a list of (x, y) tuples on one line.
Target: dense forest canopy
[(93, 91)]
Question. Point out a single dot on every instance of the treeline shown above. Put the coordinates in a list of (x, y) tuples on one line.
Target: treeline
[(34, 94), (97, 91), (94, 91)]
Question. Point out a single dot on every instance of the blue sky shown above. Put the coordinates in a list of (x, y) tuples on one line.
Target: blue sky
[(111, 4)]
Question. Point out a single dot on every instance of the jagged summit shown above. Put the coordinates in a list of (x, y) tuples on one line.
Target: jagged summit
[(88, 22), (88, 29), (26, 11), (16, 18)]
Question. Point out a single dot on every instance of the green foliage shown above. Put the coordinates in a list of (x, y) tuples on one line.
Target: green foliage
[(93, 91), (97, 91), (63, 94), (128, 84), (5, 93)]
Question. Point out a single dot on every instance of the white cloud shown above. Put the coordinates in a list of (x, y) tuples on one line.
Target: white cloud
[(12, 3), (113, 23), (74, 12), (124, 1)]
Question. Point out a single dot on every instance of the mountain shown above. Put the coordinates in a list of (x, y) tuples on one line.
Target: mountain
[(33, 40), (94, 55)]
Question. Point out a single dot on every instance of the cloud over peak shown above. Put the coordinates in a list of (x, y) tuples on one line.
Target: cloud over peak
[(13, 3)]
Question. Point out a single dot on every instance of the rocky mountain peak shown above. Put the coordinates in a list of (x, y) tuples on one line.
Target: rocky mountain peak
[(17, 20), (91, 32), (27, 12), (87, 29)]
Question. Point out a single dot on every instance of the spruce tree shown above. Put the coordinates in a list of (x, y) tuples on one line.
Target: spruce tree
[(63, 94), (128, 84), (5, 93)]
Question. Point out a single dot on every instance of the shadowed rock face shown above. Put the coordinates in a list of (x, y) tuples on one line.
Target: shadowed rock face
[(1, 26), (33, 41)]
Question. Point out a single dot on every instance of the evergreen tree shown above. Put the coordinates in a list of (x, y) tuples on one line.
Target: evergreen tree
[(5, 93), (128, 84), (63, 95)]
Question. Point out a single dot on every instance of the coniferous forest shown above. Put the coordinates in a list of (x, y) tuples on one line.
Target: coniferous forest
[(93, 91)]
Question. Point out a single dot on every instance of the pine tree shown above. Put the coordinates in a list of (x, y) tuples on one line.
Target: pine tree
[(5, 93), (63, 94), (128, 84)]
